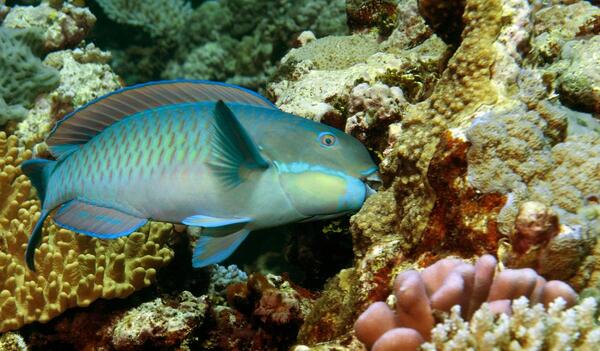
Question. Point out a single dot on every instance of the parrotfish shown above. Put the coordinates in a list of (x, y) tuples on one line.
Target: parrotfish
[(198, 153)]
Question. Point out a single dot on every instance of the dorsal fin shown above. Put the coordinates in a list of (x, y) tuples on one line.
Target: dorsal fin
[(81, 125)]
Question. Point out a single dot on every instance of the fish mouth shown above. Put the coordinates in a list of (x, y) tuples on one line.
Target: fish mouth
[(372, 181), (322, 217)]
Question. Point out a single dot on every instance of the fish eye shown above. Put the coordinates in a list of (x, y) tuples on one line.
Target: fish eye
[(327, 139)]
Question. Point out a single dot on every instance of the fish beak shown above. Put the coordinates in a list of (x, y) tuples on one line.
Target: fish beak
[(370, 191), (374, 177), (372, 183)]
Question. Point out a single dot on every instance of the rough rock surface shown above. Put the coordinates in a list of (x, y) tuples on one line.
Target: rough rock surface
[(466, 131)]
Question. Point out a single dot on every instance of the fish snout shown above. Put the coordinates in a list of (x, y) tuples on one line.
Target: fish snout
[(372, 183)]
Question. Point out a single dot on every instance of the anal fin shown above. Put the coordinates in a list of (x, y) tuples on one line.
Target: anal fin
[(97, 221), (211, 250)]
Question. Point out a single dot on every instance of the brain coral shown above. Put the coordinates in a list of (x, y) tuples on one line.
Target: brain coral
[(74, 270)]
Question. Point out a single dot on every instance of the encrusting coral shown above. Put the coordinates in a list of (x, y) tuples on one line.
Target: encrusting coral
[(448, 283), (73, 270), (467, 133), (63, 25)]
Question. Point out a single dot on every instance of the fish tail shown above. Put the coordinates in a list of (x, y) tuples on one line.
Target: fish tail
[(34, 241), (39, 171)]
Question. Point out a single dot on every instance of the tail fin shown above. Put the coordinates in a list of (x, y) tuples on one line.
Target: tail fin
[(39, 171)]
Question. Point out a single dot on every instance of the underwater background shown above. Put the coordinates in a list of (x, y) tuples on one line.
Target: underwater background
[(482, 115)]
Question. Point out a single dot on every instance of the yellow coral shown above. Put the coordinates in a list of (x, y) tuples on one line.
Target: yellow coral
[(73, 270), (465, 85)]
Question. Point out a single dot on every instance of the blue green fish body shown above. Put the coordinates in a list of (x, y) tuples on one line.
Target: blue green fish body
[(221, 158)]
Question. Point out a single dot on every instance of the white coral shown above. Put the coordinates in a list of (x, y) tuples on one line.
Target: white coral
[(529, 328)]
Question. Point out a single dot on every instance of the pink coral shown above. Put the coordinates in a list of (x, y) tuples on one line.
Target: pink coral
[(446, 283)]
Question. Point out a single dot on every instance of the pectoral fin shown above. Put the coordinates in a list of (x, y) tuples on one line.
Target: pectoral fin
[(97, 221), (232, 147), (211, 250), (214, 226)]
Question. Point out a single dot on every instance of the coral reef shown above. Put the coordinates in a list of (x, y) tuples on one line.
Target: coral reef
[(63, 25), (163, 20), (527, 328), (84, 75), (470, 123), (73, 270), (579, 83), (167, 322), (447, 283), (240, 41), (159, 323), (12, 342), (22, 74), (483, 117), (221, 277), (364, 14), (236, 41)]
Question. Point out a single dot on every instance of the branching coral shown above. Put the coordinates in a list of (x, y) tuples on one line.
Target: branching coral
[(74, 270), (527, 328), (447, 283)]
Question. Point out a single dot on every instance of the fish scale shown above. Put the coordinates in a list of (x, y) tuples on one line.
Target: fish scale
[(200, 153)]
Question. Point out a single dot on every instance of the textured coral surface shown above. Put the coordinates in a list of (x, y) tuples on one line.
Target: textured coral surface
[(72, 270), (483, 121)]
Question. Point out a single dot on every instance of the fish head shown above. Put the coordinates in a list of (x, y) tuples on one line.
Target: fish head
[(322, 170)]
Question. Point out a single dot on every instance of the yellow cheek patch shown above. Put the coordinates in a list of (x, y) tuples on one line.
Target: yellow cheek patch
[(314, 192), (316, 184)]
